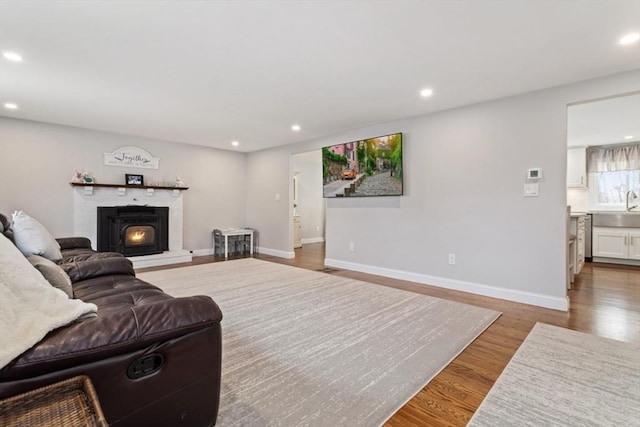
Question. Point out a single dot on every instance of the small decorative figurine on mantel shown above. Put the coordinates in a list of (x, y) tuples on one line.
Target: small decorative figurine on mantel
[(78, 177), (82, 177), (180, 182)]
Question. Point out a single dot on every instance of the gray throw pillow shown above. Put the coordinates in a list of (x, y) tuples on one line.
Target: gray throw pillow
[(32, 238), (55, 275)]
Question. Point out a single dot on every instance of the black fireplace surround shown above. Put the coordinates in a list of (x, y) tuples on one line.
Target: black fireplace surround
[(133, 230)]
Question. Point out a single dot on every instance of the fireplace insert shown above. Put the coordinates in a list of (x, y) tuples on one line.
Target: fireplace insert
[(133, 230)]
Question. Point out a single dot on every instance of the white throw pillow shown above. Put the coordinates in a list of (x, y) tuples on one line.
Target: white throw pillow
[(32, 238)]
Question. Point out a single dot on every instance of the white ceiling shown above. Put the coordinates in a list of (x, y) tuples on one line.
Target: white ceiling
[(604, 122), (209, 72)]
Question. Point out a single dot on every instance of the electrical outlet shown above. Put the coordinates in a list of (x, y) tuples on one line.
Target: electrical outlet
[(277, 196), (452, 259), (318, 228), (352, 247)]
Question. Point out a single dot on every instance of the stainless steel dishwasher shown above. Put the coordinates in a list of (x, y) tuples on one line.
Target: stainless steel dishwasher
[(587, 238)]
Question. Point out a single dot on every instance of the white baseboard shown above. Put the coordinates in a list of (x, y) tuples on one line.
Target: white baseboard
[(165, 258), (312, 240), (615, 261), (202, 252), (276, 252), (546, 301)]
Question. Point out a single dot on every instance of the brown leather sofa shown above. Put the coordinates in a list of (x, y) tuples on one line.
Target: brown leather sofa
[(154, 360)]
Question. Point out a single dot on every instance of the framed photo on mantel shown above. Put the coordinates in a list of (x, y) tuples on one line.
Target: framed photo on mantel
[(132, 179)]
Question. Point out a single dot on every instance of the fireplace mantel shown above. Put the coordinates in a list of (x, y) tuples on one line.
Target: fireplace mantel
[(122, 189), (155, 187), (85, 209)]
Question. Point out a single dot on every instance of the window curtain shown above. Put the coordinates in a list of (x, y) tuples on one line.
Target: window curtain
[(614, 170), (613, 158)]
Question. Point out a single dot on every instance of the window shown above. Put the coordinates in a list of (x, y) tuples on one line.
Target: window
[(613, 172)]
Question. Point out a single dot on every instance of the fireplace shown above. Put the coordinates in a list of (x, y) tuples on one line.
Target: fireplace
[(133, 230)]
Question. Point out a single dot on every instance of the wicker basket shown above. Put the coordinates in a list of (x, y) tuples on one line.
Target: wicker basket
[(68, 403)]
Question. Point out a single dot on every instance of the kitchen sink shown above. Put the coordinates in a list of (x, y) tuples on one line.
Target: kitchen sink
[(616, 219)]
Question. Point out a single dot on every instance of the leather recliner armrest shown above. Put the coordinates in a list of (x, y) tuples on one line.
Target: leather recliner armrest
[(91, 268), (116, 331), (74, 243)]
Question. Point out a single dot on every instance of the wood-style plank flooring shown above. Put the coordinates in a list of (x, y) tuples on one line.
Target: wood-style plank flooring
[(605, 301)]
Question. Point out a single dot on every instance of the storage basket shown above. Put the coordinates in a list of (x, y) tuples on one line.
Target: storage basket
[(69, 403)]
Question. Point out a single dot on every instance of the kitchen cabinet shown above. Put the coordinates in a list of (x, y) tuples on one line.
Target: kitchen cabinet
[(577, 242), (615, 242), (297, 232), (580, 243), (634, 244), (577, 167)]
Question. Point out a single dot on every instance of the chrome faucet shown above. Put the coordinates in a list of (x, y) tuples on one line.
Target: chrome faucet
[(633, 196)]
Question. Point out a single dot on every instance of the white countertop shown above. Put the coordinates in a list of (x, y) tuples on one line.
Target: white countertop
[(616, 212), (577, 214)]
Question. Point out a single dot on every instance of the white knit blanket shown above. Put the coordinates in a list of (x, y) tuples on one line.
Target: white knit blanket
[(29, 306)]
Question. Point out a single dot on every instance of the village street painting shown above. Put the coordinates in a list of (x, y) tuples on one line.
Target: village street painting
[(371, 167)]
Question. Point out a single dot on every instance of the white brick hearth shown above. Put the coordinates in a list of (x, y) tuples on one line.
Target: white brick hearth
[(85, 221)]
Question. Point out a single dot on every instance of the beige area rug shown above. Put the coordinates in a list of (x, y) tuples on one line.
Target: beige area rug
[(303, 348), (560, 377)]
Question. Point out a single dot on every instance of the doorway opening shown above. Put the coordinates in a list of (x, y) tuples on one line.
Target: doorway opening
[(603, 182), (308, 208)]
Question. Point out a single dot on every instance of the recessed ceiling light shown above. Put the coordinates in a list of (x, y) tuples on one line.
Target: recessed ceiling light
[(12, 56), (628, 137), (235, 143), (295, 128), (425, 93), (630, 38), (10, 106)]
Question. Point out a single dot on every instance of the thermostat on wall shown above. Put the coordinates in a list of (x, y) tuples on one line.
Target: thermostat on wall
[(534, 174)]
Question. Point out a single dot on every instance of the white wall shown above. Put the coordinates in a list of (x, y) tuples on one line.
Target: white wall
[(37, 161), (578, 199), (311, 205), (464, 175), (269, 173)]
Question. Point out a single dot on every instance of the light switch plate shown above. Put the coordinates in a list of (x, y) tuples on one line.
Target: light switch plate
[(531, 190)]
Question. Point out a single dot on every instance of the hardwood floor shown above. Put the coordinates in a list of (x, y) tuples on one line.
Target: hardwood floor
[(605, 301)]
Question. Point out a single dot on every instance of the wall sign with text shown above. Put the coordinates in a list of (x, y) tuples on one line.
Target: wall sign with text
[(132, 157)]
